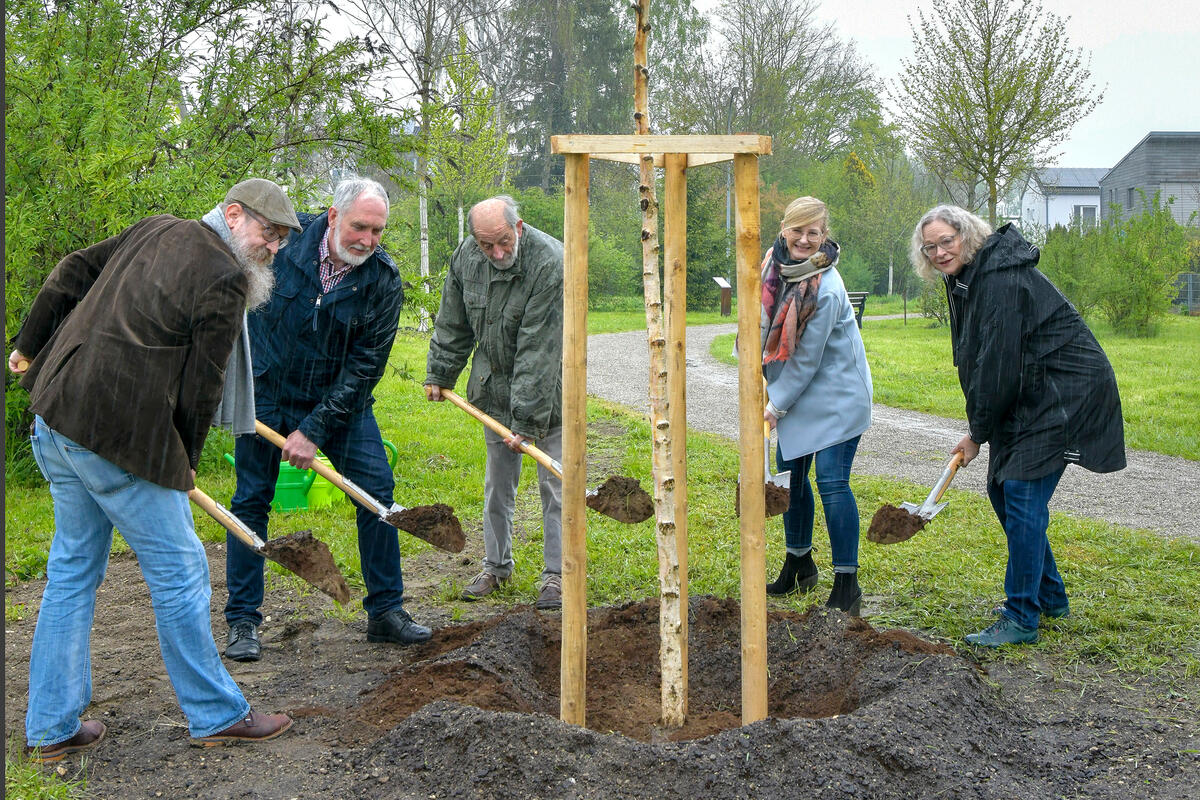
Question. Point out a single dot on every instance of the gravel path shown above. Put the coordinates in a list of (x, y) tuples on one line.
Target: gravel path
[(1161, 493)]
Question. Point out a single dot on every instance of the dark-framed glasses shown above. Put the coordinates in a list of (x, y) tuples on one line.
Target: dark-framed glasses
[(944, 243), (270, 233)]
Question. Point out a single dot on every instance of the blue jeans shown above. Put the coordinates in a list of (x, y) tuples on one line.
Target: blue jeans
[(356, 451), (841, 510), (1031, 580), (91, 495)]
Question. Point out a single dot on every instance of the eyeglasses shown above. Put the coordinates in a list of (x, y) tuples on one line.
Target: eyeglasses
[(943, 243), (270, 233)]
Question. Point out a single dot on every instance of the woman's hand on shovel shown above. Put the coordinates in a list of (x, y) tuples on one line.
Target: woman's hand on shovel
[(968, 447)]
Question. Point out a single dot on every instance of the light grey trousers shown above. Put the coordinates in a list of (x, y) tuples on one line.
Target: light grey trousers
[(502, 474)]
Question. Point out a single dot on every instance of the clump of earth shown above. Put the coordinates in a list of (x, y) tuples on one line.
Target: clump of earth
[(892, 524)]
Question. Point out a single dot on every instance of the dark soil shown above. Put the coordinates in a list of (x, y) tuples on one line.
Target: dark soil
[(621, 498), (891, 525), (435, 524), (777, 499), (309, 558), (855, 712)]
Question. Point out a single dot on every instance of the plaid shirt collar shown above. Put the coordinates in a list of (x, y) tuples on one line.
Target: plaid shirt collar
[(331, 274)]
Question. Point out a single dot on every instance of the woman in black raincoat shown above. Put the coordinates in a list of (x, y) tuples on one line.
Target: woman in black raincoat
[(1038, 389)]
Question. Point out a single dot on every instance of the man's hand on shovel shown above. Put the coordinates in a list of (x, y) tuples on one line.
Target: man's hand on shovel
[(299, 450), (969, 449)]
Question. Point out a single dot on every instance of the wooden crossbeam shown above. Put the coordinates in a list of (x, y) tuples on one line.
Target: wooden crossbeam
[(737, 144), (693, 159)]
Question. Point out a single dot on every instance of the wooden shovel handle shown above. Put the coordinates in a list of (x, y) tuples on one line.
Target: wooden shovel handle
[(226, 519), (352, 490), (539, 456), (955, 462)]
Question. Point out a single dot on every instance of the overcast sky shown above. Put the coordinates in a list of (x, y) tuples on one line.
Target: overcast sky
[(1145, 53)]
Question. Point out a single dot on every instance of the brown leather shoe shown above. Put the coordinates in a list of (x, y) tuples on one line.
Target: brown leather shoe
[(89, 735), (484, 584), (255, 727), (550, 597)]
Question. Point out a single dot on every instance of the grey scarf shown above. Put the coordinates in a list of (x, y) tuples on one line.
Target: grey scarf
[(236, 410)]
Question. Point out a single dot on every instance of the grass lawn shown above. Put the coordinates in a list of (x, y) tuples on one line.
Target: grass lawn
[(1159, 378)]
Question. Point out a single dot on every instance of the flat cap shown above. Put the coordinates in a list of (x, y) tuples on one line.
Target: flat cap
[(267, 199)]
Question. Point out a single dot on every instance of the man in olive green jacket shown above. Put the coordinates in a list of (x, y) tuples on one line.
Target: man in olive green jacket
[(503, 300)]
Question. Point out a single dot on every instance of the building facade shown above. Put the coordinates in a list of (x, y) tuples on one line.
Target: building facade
[(1164, 162), (1062, 196)]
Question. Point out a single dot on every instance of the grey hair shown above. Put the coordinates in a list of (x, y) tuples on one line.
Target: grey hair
[(349, 190), (974, 232), (511, 211)]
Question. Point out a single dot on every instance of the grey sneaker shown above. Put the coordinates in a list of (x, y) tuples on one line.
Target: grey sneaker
[(484, 584), (550, 597)]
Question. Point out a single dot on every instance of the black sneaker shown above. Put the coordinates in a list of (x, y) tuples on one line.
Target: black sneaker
[(243, 641), (397, 627)]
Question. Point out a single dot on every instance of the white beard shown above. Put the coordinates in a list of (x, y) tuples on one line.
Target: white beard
[(256, 264), (344, 255), (507, 263)]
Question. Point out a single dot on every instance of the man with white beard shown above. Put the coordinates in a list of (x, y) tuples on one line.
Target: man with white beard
[(319, 346), (123, 353)]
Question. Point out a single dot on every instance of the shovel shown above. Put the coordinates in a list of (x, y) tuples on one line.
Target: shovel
[(299, 553), (778, 486), (435, 523), (618, 497), (891, 524)]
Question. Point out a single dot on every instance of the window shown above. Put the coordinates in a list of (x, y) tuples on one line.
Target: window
[(1129, 197), (1084, 215)]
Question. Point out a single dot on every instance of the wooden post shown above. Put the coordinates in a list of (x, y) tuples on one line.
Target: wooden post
[(573, 672), (750, 405), (675, 304)]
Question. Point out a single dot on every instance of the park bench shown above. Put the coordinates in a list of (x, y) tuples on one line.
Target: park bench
[(858, 301)]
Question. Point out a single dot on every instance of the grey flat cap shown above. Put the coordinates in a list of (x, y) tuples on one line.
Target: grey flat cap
[(265, 198)]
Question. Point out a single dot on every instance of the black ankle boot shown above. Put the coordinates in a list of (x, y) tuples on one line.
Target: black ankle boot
[(846, 595), (799, 574)]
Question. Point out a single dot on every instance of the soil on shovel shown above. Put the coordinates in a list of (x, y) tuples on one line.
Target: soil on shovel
[(621, 498), (435, 523), (892, 524), (777, 499), (856, 712), (309, 557)]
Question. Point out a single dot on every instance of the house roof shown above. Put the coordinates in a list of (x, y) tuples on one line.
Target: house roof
[(1176, 135), (1053, 180)]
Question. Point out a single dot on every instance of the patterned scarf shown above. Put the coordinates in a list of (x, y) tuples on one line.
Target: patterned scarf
[(789, 296)]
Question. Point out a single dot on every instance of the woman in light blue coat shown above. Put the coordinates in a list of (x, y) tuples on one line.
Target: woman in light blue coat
[(818, 396)]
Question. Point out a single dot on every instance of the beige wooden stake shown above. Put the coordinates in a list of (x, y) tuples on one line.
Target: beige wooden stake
[(670, 655), (750, 406), (573, 669), (675, 303)]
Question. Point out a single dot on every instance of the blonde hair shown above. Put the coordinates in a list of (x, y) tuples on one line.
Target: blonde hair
[(971, 228), (805, 211)]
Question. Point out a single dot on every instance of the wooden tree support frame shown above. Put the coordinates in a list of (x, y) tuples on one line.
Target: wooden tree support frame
[(675, 154)]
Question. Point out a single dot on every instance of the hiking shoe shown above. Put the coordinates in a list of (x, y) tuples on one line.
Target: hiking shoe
[(255, 727), (397, 627), (89, 735), (1003, 631), (1057, 612), (550, 597), (243, 642), (484, 584)]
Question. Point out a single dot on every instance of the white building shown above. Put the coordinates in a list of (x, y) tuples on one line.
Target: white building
[(1060, 195)]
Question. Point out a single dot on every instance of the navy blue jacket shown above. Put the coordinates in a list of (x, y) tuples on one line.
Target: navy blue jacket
[(322, 354)]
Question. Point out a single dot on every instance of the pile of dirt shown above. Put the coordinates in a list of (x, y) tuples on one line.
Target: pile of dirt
[(777, 499), (855, 711), (892, 524), (621, 498), (434, 523), (309, 557)]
